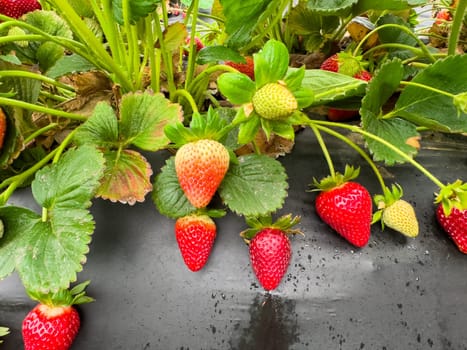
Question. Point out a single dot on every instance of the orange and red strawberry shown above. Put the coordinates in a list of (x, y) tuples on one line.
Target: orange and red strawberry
[(346, 206), (17, 8), (195, 235), (201, 166)]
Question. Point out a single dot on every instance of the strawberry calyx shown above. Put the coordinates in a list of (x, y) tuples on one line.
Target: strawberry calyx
[(210, 126), (256, 224), (385, 200), (453, 195), (336, 180), (63, 297)]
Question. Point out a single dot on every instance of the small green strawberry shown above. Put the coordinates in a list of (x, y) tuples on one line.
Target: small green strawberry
[(53, 324), (451, 212), (270, 249), (195, 235), (201, 166), (346, 206), (395, 212), (274, 101)]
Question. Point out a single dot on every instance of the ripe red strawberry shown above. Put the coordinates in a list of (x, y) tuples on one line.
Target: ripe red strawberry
[(270, 249), (201, 166), (50, 327), (346, 206), (54, 323), (198, 43), (247, 68), (349, 65), (17, 8), (451, 212), (270, 254), (195, 236), (455, 225)]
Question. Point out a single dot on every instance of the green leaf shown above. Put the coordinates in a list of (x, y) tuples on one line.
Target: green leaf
[(330, 86), (386, 5), (48, 254), (217, 53), (394, 130), (331, 7), (127, 177), (271, 63), (383, 85), (71, 182), (432, 109), (257, 185), (101, 128), (174, 36), (69, 64), (47, 53), (143, 118), (253, 15), (238, 88), (137, 9), (167, 195)]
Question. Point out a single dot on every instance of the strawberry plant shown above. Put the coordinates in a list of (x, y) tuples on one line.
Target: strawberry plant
[(89, 89)]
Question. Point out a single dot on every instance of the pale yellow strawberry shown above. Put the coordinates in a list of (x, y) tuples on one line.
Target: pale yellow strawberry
[(400, 216), (274, 101)]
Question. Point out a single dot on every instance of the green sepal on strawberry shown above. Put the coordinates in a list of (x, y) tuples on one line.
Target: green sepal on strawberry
[(3, 332), (269, 247), (345, 205), (54, 323), (451, 212), (201, 161), (395, 212)]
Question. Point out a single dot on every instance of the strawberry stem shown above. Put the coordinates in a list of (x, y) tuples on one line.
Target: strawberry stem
[(409, 159), (325, 150), (188, 97), (33, 107), (192, 56), (357, 148), (422, 45), (456, 26)]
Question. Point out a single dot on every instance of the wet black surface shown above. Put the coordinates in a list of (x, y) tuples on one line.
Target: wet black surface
[(394, 294)]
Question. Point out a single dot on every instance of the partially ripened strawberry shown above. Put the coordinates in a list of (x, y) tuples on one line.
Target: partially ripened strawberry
[(346, 206), (274, 101), (3, 127), (17, 8), (395, 212), (195, 236), (270, 249), (451, 212), (443, 16), (247, 68), (201, 166), (347, 64), (54, 323)]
